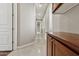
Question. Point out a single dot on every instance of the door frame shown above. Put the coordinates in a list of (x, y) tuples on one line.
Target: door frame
[(14, 26)]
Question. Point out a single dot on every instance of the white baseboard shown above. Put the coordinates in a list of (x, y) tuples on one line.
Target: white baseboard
[(19, 47)]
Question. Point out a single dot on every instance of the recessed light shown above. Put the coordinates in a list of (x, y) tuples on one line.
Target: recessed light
[(39, 14), (40, 5)]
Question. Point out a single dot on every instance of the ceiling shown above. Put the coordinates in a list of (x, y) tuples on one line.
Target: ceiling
[(40, 9)]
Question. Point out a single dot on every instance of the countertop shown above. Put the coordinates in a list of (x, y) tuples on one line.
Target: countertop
[(70, 40)]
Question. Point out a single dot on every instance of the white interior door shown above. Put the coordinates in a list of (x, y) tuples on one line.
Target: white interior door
[(5, 26)]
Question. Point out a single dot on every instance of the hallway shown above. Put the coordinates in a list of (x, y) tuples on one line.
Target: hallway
[(36, 31), (37, 49)]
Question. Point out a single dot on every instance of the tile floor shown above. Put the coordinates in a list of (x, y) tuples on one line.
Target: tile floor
[(36, 49)]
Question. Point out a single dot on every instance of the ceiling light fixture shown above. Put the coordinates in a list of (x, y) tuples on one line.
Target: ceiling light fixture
[(39, 14), (40, 5)]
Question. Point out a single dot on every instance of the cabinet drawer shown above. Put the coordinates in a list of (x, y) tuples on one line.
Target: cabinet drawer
[(61, 50)]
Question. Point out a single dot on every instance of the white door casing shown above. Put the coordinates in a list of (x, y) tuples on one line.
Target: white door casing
[(5, 26), (14, 12)]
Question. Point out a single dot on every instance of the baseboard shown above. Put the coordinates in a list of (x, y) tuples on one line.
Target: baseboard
[(19, 47)]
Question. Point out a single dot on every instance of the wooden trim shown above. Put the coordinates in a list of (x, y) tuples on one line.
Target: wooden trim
[(57, 7), (5, 53), (67, 44)]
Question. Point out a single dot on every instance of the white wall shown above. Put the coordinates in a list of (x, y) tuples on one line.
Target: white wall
[(68, 22), (48, 19), (26, 23), (55, 22)]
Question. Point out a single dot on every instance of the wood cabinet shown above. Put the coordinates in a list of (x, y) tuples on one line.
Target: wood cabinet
[(62, 45), (55, 6), (61, 8), (61, 50)]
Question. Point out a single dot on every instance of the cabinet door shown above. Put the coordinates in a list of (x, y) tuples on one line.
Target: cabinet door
[(61, 50), (49, 46)]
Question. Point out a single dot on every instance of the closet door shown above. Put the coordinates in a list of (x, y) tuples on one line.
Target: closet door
[(5, 26)]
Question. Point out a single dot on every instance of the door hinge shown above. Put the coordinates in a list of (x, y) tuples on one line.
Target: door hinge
[(12, 14), (12, 42), (12, 28)]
